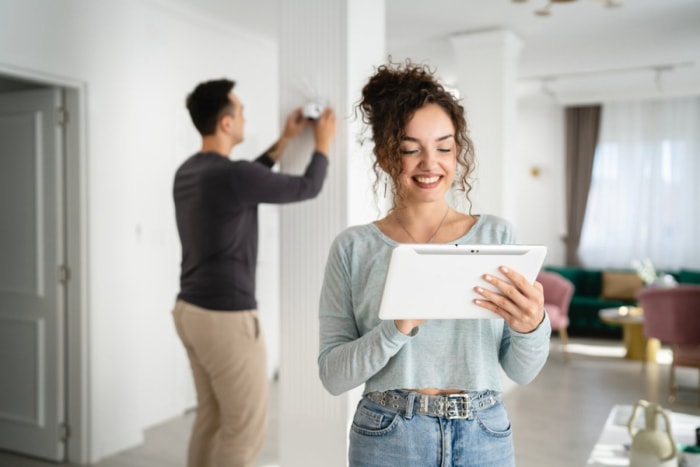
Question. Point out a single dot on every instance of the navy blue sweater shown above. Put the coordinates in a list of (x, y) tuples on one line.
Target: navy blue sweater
[(216, 206)]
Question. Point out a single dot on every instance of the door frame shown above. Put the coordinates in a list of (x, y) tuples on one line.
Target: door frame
[(76, 377)]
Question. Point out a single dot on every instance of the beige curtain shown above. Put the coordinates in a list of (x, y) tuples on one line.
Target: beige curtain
[(582, 126)]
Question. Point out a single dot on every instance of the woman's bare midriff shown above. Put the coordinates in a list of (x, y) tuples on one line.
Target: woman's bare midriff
[(436, 391)]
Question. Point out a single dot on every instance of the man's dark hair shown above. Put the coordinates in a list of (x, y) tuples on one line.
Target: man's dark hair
[(208, 102)]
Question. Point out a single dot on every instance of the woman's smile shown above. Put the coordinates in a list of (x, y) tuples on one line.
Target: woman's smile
[(427, 181)]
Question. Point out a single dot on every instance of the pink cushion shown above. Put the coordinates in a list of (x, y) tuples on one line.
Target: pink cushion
[(557, 297), (557, 317), (672, 314)]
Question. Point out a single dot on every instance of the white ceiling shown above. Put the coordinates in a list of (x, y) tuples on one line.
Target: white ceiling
[(578, 37)]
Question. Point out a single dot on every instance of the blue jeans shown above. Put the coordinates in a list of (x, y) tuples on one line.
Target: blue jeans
[(382, 436)]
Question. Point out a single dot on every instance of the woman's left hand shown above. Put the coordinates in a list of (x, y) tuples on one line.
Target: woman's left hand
[(520, 303)]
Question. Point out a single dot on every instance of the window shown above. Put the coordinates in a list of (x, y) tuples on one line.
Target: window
[(644, 200)]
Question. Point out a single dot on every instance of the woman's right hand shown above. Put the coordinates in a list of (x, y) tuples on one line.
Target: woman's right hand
[(406, 326)]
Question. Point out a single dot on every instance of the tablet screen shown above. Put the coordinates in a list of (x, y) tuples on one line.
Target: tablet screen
[(436, 281)]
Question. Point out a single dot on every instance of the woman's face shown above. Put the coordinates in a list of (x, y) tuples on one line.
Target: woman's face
[(429, 156)]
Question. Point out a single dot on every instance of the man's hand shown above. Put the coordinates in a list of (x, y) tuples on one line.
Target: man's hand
[(292, 127), (324, 131), (294, 124)]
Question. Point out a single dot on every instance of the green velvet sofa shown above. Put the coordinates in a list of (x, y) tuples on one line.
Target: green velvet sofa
[(596, 289)]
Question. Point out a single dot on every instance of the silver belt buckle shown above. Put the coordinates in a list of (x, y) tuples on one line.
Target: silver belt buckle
[(458, 407)]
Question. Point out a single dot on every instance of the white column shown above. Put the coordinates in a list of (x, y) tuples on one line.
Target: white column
[(486, 64), (329, 48)]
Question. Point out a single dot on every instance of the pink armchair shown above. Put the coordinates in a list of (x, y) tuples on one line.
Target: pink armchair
[(557, 295), (672, 315)]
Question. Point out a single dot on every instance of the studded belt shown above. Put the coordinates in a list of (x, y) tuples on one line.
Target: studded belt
[(451, 406)]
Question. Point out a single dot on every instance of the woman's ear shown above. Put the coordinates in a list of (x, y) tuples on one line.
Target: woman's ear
[(381, 160)]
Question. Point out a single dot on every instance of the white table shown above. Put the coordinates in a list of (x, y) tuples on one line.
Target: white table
[(614, 440)]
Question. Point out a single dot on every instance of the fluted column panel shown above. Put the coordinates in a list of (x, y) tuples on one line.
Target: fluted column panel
[(314, 44), (312, 54)]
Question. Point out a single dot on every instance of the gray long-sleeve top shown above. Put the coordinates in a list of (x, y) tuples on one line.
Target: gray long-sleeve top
[(357, 347), (216, 206)]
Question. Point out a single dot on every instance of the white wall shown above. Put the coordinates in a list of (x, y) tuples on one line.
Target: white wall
[(137, 60), (539, 207)]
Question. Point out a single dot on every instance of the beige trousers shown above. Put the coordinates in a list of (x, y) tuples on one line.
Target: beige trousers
[(227, 355)]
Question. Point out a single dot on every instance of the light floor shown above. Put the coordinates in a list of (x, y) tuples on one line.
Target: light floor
[(556, 419)]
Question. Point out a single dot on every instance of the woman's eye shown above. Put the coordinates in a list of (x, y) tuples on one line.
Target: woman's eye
[(446, 150), (408, 152)]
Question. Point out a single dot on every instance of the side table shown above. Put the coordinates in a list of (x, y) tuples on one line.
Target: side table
[(631, 319)]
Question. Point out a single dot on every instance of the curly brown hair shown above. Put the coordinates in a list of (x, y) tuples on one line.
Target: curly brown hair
[(390, 99)]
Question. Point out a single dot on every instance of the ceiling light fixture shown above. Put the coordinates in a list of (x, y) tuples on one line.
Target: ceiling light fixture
[(546, 9)]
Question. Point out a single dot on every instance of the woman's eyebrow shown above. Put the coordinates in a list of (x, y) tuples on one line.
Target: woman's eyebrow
[(442, 138)]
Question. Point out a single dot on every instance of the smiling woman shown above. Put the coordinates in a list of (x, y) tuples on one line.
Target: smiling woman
[(428, 384)]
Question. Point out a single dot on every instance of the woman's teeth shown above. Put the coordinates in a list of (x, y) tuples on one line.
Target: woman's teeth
[(427, 180)]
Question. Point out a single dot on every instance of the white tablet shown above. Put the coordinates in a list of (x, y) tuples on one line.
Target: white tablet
[(436, 281)]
